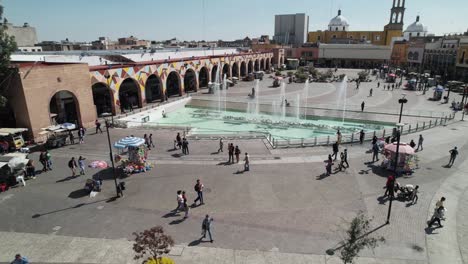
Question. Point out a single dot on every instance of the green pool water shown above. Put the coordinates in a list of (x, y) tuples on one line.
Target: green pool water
[(207, 121)]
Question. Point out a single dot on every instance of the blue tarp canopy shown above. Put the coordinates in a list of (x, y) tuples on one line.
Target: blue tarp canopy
[(129, 142)]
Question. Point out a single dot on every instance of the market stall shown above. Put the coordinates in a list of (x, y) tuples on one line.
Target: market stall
[(132, 155), (407, 159)]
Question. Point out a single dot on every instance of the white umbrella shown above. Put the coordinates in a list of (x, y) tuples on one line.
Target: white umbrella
[(129, 142), (17, 163)]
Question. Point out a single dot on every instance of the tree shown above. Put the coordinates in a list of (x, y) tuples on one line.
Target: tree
[(7, 47), (358, 238), (151, 244)]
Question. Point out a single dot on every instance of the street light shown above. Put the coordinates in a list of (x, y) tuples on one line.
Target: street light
[(111, 156), (399, 125)]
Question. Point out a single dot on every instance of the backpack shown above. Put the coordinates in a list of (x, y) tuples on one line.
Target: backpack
[(196, 187)]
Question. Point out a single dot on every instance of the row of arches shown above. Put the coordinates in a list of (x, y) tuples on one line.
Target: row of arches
[(130, 97)]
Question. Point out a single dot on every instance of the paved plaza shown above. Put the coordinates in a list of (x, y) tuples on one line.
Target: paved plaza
[(281, 211)]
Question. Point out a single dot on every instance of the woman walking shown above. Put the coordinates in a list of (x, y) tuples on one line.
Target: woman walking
[(81, 164)]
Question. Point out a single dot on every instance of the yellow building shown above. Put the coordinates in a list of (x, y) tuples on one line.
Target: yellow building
[(338, 30)]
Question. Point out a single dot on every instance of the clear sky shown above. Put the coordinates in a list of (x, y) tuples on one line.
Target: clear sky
[(86, 20)]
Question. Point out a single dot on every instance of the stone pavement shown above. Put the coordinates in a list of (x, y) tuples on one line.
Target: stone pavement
[(62, 249), (284, 210)]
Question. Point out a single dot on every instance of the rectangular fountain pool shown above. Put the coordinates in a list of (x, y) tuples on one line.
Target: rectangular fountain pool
[(205, 121)]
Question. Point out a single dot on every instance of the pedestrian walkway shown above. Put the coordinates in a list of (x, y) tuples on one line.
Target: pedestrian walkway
[(63, 249)]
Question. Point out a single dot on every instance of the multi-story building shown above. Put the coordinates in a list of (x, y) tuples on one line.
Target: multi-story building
[(440, 56), (25, 36), (291, 29), (338, 30), (462, 59), (399, 53)]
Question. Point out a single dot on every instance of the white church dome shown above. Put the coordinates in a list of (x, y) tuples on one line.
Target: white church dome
[(416, 26), (338, 23)]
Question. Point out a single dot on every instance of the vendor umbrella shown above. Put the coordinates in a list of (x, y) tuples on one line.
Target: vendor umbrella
[(129, 142), (404, 148), (98, 164), (17, 163)]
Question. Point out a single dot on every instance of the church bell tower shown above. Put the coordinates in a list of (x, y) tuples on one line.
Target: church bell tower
[(394, 28)]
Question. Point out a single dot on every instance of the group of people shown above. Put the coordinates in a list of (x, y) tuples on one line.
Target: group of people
[(181, 143), (235, 151), (149, 141), (73, 165), (332, 157)]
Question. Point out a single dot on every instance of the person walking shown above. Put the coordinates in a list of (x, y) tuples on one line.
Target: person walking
[(43, 161), (237, 152), (414, 195), (20, 260), (339, 136), (246, 162), (412, 144), (199, 189), (436, 217), (72, 165), (370, 92), (151, 144), (390, 186), (420, 142), (180, 201), (179, 141), (231, 152), (341, 166), (185, 206), (378, 84), (361, 136), (375, 152), (72, 137), (81, 135), (49, 160), (81, 164), (453, 155), (145, 137), (335, 150), (328, 166), (345, 153), (206, 228), (362, 106), (185, 148), (221, 145), (98, 126)]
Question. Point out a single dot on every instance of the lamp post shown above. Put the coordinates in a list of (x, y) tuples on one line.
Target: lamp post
[(401, 101), (111, 114), (111, 156)]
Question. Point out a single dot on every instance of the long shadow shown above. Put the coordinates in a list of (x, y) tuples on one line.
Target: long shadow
[(377, 170), (331, 251), (69, 178), (68, 208), (225, 163), (322, 176), (383, 199), (214, 153), (171, 150), (177, 155), (430, 230), (107, 174), (176, 222), (197, 242), (78, 194), (171, 214)]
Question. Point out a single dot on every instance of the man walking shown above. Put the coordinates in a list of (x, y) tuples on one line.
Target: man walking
[(453, 155), (438, 214), (237, 152), (246, 162), (185, 148), (151, 144), (98, 126), (335, 150), (389, 186), (378, 84), (375, 152), (345, 156), (72, 165), (199, 189), (420, 142), (81, 134), (221, 145), (370, 91), (206, 227), (231, 152), (362, 106), (361, 136)]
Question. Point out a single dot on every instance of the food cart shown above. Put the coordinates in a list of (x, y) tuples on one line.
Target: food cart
[(11, 139), (391, 78), (12, 165), (438, 92), (277, 81), (132, 155), (407, 159)]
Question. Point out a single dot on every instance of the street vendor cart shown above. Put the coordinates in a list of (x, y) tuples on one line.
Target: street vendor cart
[(407, 159), (132, 155)]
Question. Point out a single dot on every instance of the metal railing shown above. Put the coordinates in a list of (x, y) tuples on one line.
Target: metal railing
[(354, 137)]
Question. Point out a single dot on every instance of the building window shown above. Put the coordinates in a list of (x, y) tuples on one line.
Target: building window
[(318, 38), (417, 34), (33, 50), (336, 29), (410, 34), (334, 36), (377, 37), (344, 28), (462, 58), (350, 37), (363, 37), (330, 28)]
